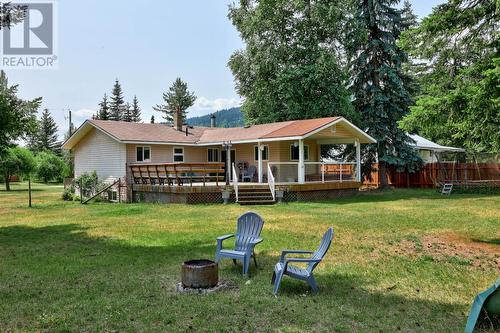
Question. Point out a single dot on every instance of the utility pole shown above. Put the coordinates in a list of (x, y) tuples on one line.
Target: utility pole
[(70, 123)]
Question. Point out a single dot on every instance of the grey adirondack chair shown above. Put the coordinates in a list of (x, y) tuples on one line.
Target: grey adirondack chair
[(247, 236), (283, 267)]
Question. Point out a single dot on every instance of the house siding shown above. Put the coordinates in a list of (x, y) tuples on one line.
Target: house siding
[(97, 151)]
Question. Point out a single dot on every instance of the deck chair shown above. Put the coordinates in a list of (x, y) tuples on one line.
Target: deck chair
[(247, 236), (283, 267), (250, 173)]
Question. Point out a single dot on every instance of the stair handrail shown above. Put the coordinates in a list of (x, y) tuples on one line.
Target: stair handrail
[(235, 182), (271, 181)]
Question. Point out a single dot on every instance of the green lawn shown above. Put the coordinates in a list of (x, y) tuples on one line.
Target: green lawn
[(404, 260)]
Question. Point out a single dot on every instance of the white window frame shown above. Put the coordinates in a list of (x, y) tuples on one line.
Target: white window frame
[(308, 152), (217, 153), (265, 147), (174, 154), (113, 195), (143, 160)]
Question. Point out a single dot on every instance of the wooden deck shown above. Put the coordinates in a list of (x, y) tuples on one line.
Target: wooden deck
[(214, 187)]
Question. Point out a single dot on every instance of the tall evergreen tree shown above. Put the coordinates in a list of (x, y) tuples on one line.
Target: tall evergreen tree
[(136, 110), (103, 113), (117, 104), (177, 98), (380, 94), (45, 138), (127, 113), (291, 66), (408, 18)]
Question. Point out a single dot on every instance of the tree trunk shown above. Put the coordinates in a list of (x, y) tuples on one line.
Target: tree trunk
[(7, 181), (382, 170)]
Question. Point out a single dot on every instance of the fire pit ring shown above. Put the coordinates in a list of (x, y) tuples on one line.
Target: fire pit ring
[(199, 273)]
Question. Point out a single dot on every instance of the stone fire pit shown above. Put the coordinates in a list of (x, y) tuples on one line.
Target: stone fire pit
[(199, 273)]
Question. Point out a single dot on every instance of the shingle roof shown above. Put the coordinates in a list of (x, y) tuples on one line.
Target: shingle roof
[(161, 133), (125, 131)]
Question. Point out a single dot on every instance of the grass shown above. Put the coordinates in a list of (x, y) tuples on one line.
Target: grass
[(402, 260)]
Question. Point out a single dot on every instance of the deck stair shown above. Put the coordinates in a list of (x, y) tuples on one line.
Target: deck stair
[(255, 195)]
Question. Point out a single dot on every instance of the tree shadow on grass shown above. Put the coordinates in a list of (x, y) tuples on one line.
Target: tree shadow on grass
[(493, 241), (60, 278)]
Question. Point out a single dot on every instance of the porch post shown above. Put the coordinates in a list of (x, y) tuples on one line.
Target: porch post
[(259, 161), (301, 170), (358, 160)]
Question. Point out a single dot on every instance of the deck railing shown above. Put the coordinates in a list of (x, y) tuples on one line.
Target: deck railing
[(287, 172), (235, 182), (271, 181), (170, 174)]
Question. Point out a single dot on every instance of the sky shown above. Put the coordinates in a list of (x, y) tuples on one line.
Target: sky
[(145, 45)]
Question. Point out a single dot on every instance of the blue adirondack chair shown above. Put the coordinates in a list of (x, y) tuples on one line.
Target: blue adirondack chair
[(283, 267), (247, 236)]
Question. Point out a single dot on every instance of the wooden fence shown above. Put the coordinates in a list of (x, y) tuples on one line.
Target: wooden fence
[(434, 174)]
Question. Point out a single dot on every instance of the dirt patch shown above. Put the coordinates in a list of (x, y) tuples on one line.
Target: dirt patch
[(451, 248)]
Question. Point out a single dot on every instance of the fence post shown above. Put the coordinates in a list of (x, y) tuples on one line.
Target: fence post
[(29, 190), (119, 190), (81, 192)]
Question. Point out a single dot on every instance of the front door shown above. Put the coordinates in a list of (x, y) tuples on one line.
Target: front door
[(223, 155)]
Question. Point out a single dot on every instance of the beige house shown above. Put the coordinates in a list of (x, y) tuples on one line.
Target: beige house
[(159, 155)]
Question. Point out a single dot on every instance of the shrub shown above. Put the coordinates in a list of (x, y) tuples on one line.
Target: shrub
[(90, 184), (67, 194), (49, 166)]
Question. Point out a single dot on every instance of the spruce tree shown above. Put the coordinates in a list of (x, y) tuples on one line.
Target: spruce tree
[(379, 84), (117, 104), (45, 138), (103, 113), (136, 110), (408, 18), (177, 98), (127, 113)]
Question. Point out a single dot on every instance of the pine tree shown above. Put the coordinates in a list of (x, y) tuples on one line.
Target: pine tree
[(117, 104), (152, 119), (177, 98), (45, 138), (380, 94), (103, 113), (127, 113), (408, 18), (136, 110)]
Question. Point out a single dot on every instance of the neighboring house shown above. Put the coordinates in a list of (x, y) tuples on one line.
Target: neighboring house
[(429, 150), (149, 156)]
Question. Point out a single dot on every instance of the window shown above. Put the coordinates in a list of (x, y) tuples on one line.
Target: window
[(213, 155), (178, 154), (294, 153), (113, 195), (143, 154), (265, 153)]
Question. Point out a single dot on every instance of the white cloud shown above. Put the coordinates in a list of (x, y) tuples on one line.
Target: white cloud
[(203, 105), (84, 113)]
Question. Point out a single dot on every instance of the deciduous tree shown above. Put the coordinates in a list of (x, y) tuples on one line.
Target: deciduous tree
[(291, 66)]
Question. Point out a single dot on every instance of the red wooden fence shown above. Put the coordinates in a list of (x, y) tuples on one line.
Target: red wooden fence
[(433, 174)]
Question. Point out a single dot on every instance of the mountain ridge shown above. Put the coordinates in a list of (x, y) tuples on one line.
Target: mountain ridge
[(232, 117)]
